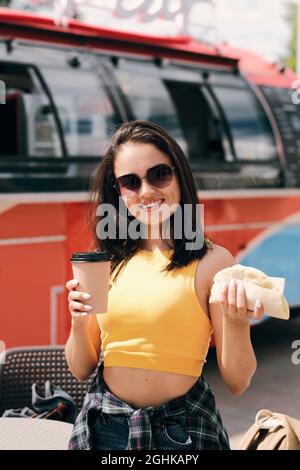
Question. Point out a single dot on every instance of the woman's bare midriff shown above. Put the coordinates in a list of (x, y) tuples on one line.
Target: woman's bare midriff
[(142, 387)]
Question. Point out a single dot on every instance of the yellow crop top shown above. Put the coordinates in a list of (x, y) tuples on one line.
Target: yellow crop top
[(154, 319)]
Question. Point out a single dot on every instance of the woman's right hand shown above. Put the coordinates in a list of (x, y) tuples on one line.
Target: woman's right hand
[(78, 309)]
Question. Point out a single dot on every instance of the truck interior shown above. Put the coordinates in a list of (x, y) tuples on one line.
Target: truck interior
[(17, 82)]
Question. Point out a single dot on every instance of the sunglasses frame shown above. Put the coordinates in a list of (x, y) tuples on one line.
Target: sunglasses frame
[(116, 185)]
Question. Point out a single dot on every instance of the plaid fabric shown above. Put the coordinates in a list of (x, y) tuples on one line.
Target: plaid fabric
[(203, 421)]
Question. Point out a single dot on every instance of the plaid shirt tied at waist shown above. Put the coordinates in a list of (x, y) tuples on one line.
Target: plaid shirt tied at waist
[(203, 421)]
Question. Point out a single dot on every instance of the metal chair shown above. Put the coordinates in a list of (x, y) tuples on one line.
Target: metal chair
[(21, 367)]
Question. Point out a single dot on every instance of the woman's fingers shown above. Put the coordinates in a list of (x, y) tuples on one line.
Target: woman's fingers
[(258, 310), (79, 307), (234, 302), (72, 284), (223, 302), (75, 295), (75, 298), (232, 298), (241, 303)]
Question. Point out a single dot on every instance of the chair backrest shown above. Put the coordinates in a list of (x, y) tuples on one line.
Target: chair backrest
[(27, 365)]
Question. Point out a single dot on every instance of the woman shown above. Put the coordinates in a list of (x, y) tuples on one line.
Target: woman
[(150, 392)]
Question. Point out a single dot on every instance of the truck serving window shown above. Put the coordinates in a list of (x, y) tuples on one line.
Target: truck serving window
[(201, 126), (175, 100), (85, 108), (148, 98), (251, 131), (27, 129)]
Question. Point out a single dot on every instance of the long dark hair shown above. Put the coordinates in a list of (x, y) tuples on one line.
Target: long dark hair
[(104, 191)]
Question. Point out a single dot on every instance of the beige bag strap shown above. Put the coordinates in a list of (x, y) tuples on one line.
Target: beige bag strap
[(290, 427), (265, 421)]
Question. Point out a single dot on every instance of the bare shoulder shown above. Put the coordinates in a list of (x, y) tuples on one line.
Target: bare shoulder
[(220, 257), (217, 258)]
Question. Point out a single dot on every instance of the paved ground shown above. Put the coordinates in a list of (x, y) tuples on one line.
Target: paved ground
[(275, 386)]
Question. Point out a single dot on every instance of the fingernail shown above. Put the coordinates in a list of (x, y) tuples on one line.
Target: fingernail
[(258, 303), (86, 296), (74, 282), (232, 283), (88, 307)]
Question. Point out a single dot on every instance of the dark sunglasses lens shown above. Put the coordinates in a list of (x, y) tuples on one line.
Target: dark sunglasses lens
[(129, 184), (160, 176)]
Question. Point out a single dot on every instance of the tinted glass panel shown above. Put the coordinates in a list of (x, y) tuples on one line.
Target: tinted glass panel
[(251, 131), (149, 100), (86, 110)]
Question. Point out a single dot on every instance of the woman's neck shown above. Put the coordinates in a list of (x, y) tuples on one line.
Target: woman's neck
[(154, 240), (155, 247)]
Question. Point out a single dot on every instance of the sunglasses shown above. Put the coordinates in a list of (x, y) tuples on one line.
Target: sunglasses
[(159, 176)]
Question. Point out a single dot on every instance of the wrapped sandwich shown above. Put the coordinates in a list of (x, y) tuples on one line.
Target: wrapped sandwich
[(257, 286)]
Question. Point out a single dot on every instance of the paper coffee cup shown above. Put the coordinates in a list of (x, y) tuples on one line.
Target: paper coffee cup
[(92, 270)]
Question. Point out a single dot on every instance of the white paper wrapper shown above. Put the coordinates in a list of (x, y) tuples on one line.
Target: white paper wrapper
[(257, 286)]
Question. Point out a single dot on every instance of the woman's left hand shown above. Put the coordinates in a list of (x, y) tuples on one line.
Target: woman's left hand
[(234, 303)]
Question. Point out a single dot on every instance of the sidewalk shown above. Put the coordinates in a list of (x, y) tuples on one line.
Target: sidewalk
[(275, 385)]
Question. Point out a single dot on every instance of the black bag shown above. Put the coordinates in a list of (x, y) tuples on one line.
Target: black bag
[(55, 404)]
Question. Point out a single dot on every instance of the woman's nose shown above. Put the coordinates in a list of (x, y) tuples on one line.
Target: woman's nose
[(146, 188)]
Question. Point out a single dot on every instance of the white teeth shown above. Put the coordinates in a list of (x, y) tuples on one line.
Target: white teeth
[(152, 204)]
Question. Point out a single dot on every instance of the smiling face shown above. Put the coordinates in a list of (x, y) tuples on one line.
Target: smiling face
[(150, 205)]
